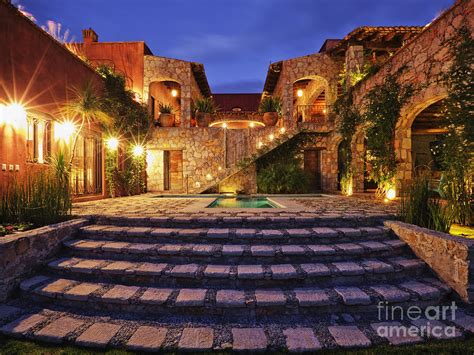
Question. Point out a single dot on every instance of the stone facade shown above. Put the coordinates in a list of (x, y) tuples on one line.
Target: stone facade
[(425, 58), (244, 181), (448, 256), (22, 253), (168, 69)]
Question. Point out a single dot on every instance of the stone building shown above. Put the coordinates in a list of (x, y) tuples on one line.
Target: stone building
[(189, 159)]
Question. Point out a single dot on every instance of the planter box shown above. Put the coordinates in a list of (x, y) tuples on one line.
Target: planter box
[(447, 255)]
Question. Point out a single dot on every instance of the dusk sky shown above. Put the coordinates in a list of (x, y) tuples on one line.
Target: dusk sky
[(235, 40)]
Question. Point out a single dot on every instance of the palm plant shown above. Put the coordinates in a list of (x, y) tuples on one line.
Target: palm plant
[(165, 108), (86, 105), (205, 105), (270, 104)]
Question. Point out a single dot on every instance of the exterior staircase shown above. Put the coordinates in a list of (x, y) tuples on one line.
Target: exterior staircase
[(250, 157), (222, 283)]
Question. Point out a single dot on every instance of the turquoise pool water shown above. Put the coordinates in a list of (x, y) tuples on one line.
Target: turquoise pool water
[(242, 202)]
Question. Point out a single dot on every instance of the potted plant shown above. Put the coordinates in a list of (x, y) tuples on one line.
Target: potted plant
[(204, 109), (271, 108), (166, 115)]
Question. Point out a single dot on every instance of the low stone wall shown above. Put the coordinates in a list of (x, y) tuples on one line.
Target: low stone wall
[(448, 256), (22, 253)]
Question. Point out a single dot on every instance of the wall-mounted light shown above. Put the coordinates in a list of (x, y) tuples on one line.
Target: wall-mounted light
[(138, 151), (252, 125), (260, 144), (112, 143), (219, 168), (174, 92), (208, 177), (224, 125), (391, 193), (64, 130), (299, 93), (282, 130), (271, 137), (16, 113)]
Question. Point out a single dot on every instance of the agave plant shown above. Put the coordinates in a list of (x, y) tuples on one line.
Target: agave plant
[(270, 104), (205, 105), (87, 106), (165, 108)]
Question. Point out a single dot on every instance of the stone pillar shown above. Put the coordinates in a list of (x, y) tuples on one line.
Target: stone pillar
[(287, 105), (358, 150), (402, 145), (185, 106), (354, 62)]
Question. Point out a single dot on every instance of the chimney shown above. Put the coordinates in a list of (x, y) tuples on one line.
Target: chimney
[(89, 36)]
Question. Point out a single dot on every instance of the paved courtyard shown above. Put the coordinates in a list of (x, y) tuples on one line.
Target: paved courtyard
[(150, 205)]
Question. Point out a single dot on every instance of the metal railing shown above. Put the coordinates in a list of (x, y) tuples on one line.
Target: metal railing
[(317, 113)]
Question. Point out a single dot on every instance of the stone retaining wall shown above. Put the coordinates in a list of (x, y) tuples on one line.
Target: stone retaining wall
[(448, 256), (22, 253)]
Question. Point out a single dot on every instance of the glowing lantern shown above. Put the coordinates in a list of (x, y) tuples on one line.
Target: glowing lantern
[(252, 125), (138, 151), (208, 177), (224, 125), (391, 193), (282, 130), (174, 92), (299, 93), (112, 143), (64, 130), (271, 137)]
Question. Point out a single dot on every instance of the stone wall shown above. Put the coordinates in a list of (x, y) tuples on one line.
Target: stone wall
[(425, 58), (22, 253), (244, 181), (448, 256), (203, 154)]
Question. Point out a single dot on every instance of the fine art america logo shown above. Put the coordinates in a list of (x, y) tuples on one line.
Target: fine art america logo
[(429, 319)]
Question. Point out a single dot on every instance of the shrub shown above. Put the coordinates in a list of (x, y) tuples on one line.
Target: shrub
[(281, 178), (419, 205)]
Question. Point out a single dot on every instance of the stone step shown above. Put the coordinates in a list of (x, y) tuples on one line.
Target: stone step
[(111, 297), (242, 275), (233, 253), (331, 332), (243, 235), (264, 219)]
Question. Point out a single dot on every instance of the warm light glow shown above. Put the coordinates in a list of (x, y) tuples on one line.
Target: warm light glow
[(271, 137), (224, 125), (64, 130), (252, 125), (138, 151), (208, 177), (16, 113), (3, 112), (282, 130), (174, 92), (112, 143), (391, 193), (219, 168), (299, 93), (324, 110), (260, 144)]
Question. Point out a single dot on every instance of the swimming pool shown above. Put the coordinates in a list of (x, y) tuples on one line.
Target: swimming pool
[(242, 202)]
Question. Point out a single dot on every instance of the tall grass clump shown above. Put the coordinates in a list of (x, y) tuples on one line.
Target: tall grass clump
[(43, 198), (421, 206)]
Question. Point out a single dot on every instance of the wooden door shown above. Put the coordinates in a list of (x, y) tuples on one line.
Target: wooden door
[(312, 167), (173, 170)]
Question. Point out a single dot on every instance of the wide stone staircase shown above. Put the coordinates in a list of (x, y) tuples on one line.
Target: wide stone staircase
[(223, 283)]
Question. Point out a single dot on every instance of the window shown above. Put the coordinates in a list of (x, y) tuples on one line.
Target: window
[(38, 140)]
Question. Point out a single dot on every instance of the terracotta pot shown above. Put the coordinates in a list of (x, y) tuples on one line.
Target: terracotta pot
[(166, 119), (203, 119), (270, 118)]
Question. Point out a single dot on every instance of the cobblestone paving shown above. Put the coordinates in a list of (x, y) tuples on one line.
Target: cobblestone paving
[(148, 205)]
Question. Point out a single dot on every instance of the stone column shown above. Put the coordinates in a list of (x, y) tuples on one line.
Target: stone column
[(287, 104), (354, 62), (185, 106), (357, 164)]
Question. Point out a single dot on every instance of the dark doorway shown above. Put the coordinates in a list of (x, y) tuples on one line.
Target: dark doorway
[(343, 152), (173, 170), (312, 167)]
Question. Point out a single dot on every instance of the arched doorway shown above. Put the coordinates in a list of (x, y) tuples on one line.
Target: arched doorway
[(427, 131), (165, 93), (309, 99)]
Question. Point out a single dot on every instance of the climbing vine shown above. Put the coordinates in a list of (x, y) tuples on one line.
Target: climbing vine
[(457, 150), (382, 111)]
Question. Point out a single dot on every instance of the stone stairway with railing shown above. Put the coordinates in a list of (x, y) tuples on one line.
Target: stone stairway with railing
[(248, 156), (224, 283)]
